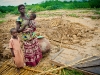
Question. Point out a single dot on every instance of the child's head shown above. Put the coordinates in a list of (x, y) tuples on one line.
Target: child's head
[(13, 32), (32, 16)]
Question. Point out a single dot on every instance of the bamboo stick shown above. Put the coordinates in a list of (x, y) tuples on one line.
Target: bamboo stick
[(26, 68), (89, 60), (31, 69), (37, 71)]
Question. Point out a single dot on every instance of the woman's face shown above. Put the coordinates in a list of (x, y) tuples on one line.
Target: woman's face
[(22, 9)]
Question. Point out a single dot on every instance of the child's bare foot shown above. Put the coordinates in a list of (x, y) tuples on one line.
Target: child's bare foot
[(18, 70)]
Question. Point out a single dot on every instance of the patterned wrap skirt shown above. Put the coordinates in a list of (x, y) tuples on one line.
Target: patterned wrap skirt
[(33, 52)]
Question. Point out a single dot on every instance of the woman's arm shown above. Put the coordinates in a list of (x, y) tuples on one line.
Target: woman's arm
[(19, 28)]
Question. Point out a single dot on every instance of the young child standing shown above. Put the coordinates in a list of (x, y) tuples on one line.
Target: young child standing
[(15, 46)]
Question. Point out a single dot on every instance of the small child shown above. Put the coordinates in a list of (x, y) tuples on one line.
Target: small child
[(32, 21), (32, 24), (31, 27), (15, 46)]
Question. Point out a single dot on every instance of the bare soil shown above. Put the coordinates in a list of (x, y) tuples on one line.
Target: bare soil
[(73, 30)]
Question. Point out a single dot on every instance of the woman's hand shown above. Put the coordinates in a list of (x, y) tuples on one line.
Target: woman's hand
[(27, 30)]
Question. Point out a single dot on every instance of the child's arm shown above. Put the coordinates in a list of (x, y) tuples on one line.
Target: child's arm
[(11, 47), (27, 30), (13, 55), (33, 25)]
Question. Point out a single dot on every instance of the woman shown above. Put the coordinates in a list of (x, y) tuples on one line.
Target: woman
[(33, 52)]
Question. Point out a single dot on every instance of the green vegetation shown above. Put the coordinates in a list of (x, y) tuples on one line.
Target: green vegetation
[(51, 5), (2, 15), (97, 12), (70, 72), (94, 3), (7, 9), (94, 17), (1, 21), (73, 15)]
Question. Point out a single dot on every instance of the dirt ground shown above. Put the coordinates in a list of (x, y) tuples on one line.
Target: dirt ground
[(77, 31)]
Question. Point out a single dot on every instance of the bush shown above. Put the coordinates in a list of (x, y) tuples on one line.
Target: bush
[(2, 15), (5, 9), (53, 4), (53, 7), (75, 5), (1, 21), (15, 12), (37, 8), (94, 3)]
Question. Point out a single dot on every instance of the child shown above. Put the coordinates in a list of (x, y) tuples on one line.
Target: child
[(32, 21), (31, 27), (15, 46), (32, 24)]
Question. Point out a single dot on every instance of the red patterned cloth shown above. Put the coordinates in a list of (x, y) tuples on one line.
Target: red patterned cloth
[(32, 25), (33, 53)]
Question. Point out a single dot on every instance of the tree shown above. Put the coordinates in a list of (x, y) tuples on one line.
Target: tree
[(94, 3), (25, 3)]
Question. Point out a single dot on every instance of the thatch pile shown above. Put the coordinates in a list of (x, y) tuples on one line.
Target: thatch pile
[(59, 30)]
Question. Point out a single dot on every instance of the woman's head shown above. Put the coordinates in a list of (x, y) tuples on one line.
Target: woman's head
[(13, 32), (21, 8)]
